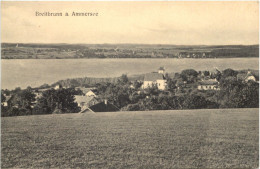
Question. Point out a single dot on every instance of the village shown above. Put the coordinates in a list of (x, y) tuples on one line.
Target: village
[(137, 95)]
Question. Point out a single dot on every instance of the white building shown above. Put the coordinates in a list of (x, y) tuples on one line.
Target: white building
[(155, 79), (249, 77), (57, 87), (211, 84)]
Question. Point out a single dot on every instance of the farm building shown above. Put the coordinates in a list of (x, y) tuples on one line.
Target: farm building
[(155, 79), (211, 84)]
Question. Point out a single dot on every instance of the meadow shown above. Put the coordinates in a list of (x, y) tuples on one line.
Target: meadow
[(223, 138)]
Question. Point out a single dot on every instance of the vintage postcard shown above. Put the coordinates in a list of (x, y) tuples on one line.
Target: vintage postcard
[(159, 84)]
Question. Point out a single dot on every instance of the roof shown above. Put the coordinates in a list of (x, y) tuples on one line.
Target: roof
[(93, 91), (83, 99), (102, 107), (86, 90), (208, 82), (153, 77)]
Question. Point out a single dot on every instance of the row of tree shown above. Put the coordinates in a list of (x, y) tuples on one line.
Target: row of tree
[(129, 96), (24, 102)]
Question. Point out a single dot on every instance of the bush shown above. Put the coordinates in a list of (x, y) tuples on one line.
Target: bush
[(131, 107)]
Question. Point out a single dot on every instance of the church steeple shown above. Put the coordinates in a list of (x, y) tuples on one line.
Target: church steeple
[(161, 70)]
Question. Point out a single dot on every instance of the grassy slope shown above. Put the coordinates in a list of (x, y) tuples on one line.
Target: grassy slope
[(155, 139)]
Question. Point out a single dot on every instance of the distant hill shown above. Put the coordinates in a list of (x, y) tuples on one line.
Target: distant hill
[(76, 51)]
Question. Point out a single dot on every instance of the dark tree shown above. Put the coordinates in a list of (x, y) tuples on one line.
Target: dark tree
[(44, 86), (53, 100), (21, 103), (75, 91), (6, 92), (123, 79), (189, 72), (16, 90), (229, 72), (132, 107), (240, 95), (117, 94), (171, 85), (2, 97), (195, 102), (26, 98), (189, 75), (206, 73), (137, 84)]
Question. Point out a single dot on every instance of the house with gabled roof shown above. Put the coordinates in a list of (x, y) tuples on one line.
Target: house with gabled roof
[(249, 76)]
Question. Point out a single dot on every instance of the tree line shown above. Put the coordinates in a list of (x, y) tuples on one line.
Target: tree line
[(234, 93), (24, 102), (181, 93)]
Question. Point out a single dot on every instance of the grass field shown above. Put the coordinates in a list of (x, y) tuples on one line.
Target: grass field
[(154, 139)]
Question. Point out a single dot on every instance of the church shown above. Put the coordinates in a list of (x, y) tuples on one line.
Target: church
[(155, 79)]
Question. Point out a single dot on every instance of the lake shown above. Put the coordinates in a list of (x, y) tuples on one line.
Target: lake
[(35, 72)]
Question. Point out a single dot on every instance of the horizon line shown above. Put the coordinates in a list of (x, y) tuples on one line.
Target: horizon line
[(130, 44)]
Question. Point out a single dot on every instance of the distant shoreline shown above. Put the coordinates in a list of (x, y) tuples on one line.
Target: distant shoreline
[(122, 58), (102, 51)]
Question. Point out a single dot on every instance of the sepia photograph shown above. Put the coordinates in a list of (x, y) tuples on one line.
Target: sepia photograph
[(130, 84)]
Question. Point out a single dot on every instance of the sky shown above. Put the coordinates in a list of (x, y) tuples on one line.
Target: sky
[(179, 23)]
